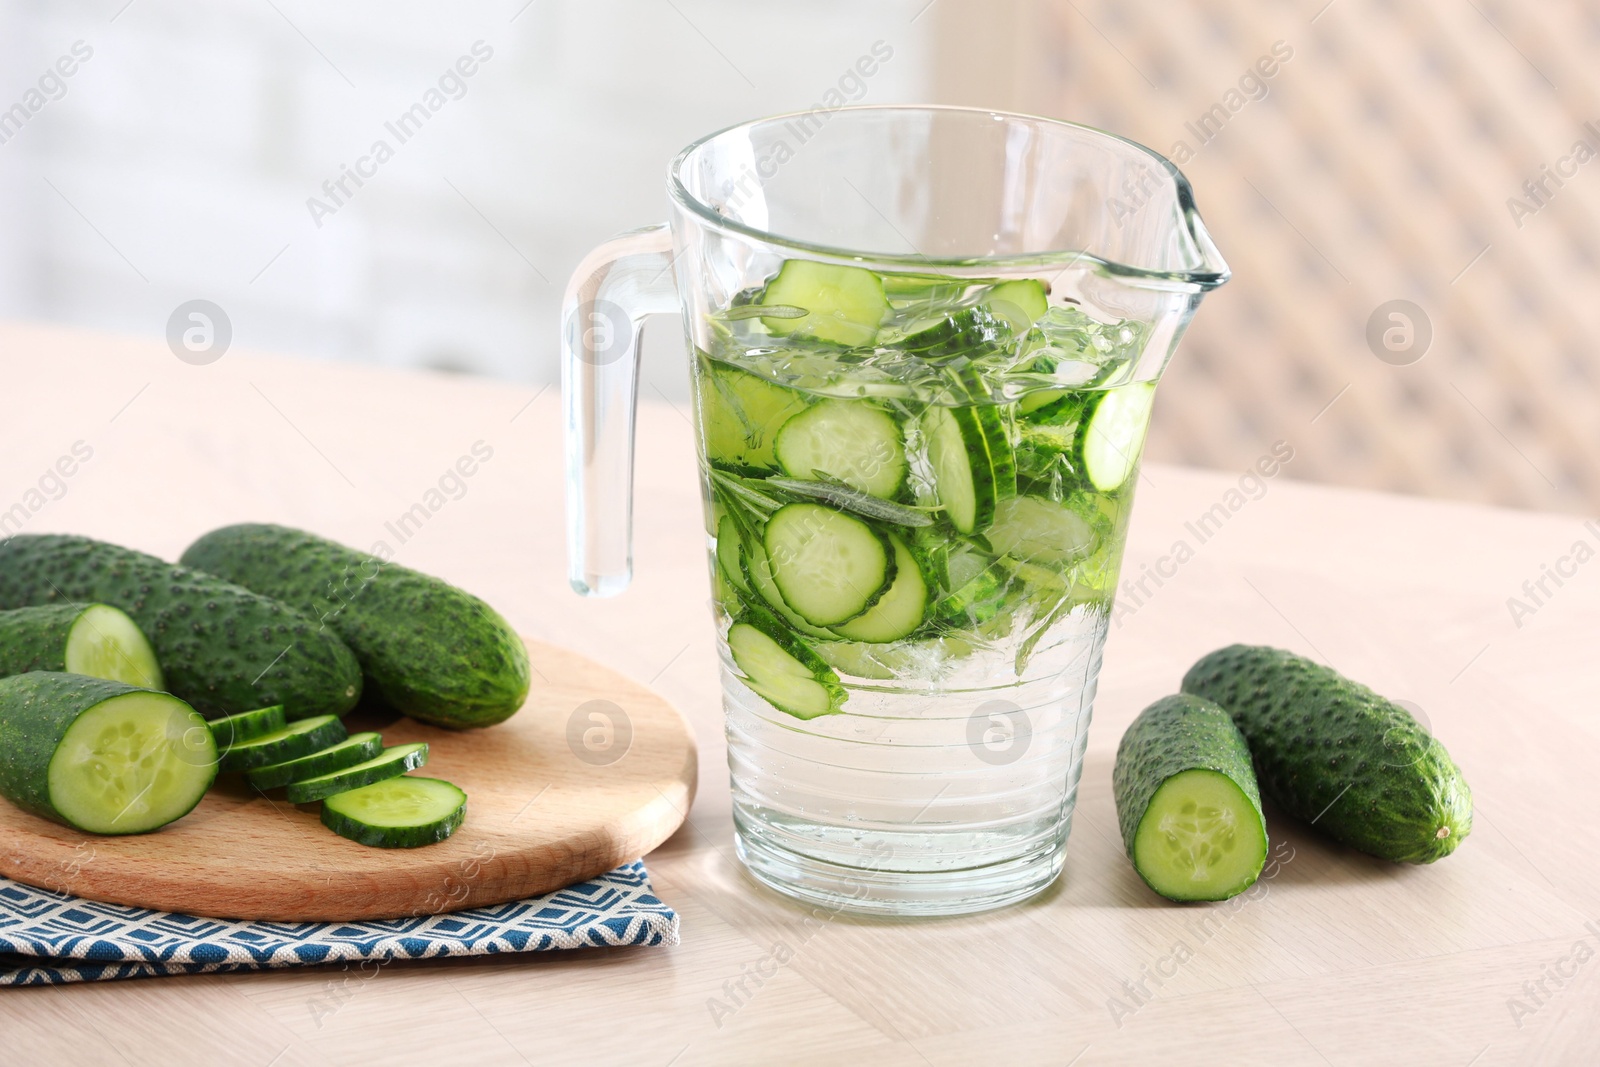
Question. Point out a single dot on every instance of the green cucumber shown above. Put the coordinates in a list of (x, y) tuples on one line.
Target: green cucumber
[(392, 762), (758, 572), (1041, 531), (854, 441), (974, 467), (1187, 801), (828, 566), (357, 748), (101, 756), (222, 647), (782, 669), (1113, 434), (900, 611), (1019, 302), (428, 649), (245, 726), (97, 640), (843, 305), (1330, 751), (300, 738), (740, 415), (397, 813)]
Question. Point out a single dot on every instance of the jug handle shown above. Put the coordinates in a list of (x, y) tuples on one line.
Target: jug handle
[(611, 292)]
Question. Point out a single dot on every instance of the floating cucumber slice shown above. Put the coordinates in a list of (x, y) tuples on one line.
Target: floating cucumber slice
[(740, 415), (357, 748), (896, 661), (100, 755), (1041, 531), (1019, 302), (1187, 801), (965, 332), (392, 763), (96, 640), (844, 305), (973, 464), (397, 812), (828, 566), (855, 441), (782, 669), (729, 553), (1114, 434), (900, 611), (758, 572), (300, 738), (245, 726)]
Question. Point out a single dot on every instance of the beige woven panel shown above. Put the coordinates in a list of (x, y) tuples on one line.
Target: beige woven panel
[(1384, 158)]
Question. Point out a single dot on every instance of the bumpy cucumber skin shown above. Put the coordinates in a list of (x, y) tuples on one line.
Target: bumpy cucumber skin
[(36, 710), (1315, 733), (35, 639), (1175, 734), (222, 648), (429, 650)]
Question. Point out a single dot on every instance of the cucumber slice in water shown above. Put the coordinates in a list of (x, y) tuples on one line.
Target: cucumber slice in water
[(729, 554), (1038, 530), (357, 748), (855, 441), (828, 566), (845, 305), (392, 763), (96, 640), (232, 730), (782, 669), (99, 755), (1187, 801), (1113, 436), (740, 415), (397, 813), (973, 464), (759, 574), (300, 738), (900, 611), (1019, 302)]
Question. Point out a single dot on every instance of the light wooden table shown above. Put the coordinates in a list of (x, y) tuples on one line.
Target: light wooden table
[(1337, 959)]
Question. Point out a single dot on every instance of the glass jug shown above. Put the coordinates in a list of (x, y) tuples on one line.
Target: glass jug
[(925, 346)]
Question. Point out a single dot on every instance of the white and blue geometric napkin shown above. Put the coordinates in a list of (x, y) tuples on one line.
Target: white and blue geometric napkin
[(50, 938)]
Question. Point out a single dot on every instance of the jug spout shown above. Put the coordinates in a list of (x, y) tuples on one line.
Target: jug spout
[(612, 291)]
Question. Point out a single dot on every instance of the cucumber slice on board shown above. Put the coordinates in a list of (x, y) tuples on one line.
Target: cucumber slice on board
[(844, 305), (101, 756), (245, 726), (855, 441), (397, 813), (828, 566), (1019, 302), (782, 669), (357, 748), (1038, 530), (1113, 435), (900, 611), (391, 763), (96, 640), (973, 464), (1187, 801), (300, 738), (741, 414)]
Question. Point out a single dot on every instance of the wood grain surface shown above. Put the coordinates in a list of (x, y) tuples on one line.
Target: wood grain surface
[(1338, 959), (594, 771)]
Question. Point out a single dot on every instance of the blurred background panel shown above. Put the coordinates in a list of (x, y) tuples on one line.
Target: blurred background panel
[(1407, 192), (1348, 155)]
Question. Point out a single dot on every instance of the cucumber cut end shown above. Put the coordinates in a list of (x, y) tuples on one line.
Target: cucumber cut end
[(132, 764), (1200, 838), (106, 643)]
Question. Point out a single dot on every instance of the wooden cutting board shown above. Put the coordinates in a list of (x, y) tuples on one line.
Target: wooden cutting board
[(594, 771)]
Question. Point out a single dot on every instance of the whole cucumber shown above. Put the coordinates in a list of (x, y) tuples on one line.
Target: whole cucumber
[(428, 649), (1330, 751), (223, 648)]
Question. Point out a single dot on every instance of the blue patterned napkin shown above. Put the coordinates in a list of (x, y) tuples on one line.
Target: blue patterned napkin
[(50, 938)]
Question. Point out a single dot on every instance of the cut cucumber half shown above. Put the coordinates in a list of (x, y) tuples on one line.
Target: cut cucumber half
[(900, 611), (96, 640), (740, 415), (391, 763), (99, 755), (844, 305), (828, 566), (1019, 302), (973, 464), (300, 738), (232, 730), (782, 669), (1113, 436), (397, 813), (759, 573), (855, 441), (1038, 530), (357, 748)]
